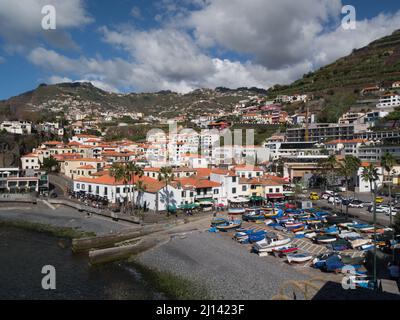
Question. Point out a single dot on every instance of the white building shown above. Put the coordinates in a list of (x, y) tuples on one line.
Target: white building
[(16, 127), (30, 161), (389, 100), (363, 186)]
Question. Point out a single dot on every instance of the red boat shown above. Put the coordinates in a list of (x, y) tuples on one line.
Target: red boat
[(282, 252)]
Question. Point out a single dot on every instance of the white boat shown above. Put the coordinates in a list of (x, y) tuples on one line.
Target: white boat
[(236, 210), (348, 234), (310, 235), (359, 242), (299, 257), (269, 244), (268, 222)]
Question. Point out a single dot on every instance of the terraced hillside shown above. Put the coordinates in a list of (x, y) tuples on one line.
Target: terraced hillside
[(379, 61)]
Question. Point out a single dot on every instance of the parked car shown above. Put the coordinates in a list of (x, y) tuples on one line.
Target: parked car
[(334, 199), (379, 200), (314, 196), (356, 204)]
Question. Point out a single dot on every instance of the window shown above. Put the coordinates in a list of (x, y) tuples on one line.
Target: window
[(244, 188), (253, 187), (90, 188), (183, 194), (233, 190), (118, 190), (97, 189), (105, 191), (277, 190), (233, 179), (78, 185), (191, 194), (216, 191), (271, 190)]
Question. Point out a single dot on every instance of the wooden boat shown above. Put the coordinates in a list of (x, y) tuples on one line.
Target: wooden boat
[(235, 211), (299, 257), (356, 243), (298, 229), (325, 238), (270, 243), (253, 217), (284, 251), (352, 260), (229, 226), (217, 221)]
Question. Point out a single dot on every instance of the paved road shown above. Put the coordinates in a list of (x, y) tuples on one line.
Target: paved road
[(361, 213)]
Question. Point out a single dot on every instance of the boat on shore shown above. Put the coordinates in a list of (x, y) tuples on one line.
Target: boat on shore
[(229, 226), (236, 211), (298, 257), (270, 243), (325, 238)]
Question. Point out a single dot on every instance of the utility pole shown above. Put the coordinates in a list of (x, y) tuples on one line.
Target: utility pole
[(374, 206)]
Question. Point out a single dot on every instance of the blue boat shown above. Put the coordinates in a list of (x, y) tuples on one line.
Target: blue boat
[(253, 217)]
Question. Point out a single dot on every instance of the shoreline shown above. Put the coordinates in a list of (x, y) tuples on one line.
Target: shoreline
[(169, 284)]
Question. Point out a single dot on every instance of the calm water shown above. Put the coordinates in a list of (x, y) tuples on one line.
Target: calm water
[(24, 253)]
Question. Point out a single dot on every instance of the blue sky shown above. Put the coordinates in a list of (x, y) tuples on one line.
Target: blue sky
[(180, 45)]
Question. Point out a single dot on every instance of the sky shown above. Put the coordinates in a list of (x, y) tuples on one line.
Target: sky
[(146, 46)]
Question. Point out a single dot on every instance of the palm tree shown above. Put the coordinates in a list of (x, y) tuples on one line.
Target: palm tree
[(388, 162), (167, 176), (348, 168), (118, 171), (328, 168), (370, 174), (133, 170)]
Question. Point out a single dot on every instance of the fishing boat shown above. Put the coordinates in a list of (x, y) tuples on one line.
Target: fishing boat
[(252, 237), (217, 221), (284, 251), (352, 260), (229, 226), (243, 232), (325, 238), (268, 222), (297, 229), (236, 211), (310, 235), (298, 257), (337, 219), (253, 217), (331, 230), (270, 243), (359, 242)]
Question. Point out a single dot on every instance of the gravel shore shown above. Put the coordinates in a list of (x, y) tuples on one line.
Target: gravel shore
[(224, 267), (60, 217)]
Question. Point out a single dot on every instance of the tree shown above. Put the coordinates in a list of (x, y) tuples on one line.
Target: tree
[(388, 162), (133, 170), (118, 171), (348, 168), (167, 176), (370, 174), (328, 169), (49, 164)]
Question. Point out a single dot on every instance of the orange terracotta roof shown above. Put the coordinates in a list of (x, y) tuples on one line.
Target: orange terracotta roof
[(86, 167), (86, 136), (87, 159), (223, 172), (203, 172), (198, 183), (30, 155), (54, 143)]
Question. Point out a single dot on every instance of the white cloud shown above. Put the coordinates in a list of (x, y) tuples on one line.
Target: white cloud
[(21, 22), (282, 40)]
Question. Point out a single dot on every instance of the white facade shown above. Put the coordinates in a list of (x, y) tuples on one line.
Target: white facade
[(16, 127), (389, 101), (363, 186), (30, 161)]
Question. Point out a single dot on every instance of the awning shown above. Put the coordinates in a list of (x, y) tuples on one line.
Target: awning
[(275, 195), (288, 193), (205, 199), (240, 200), (257, 198)]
